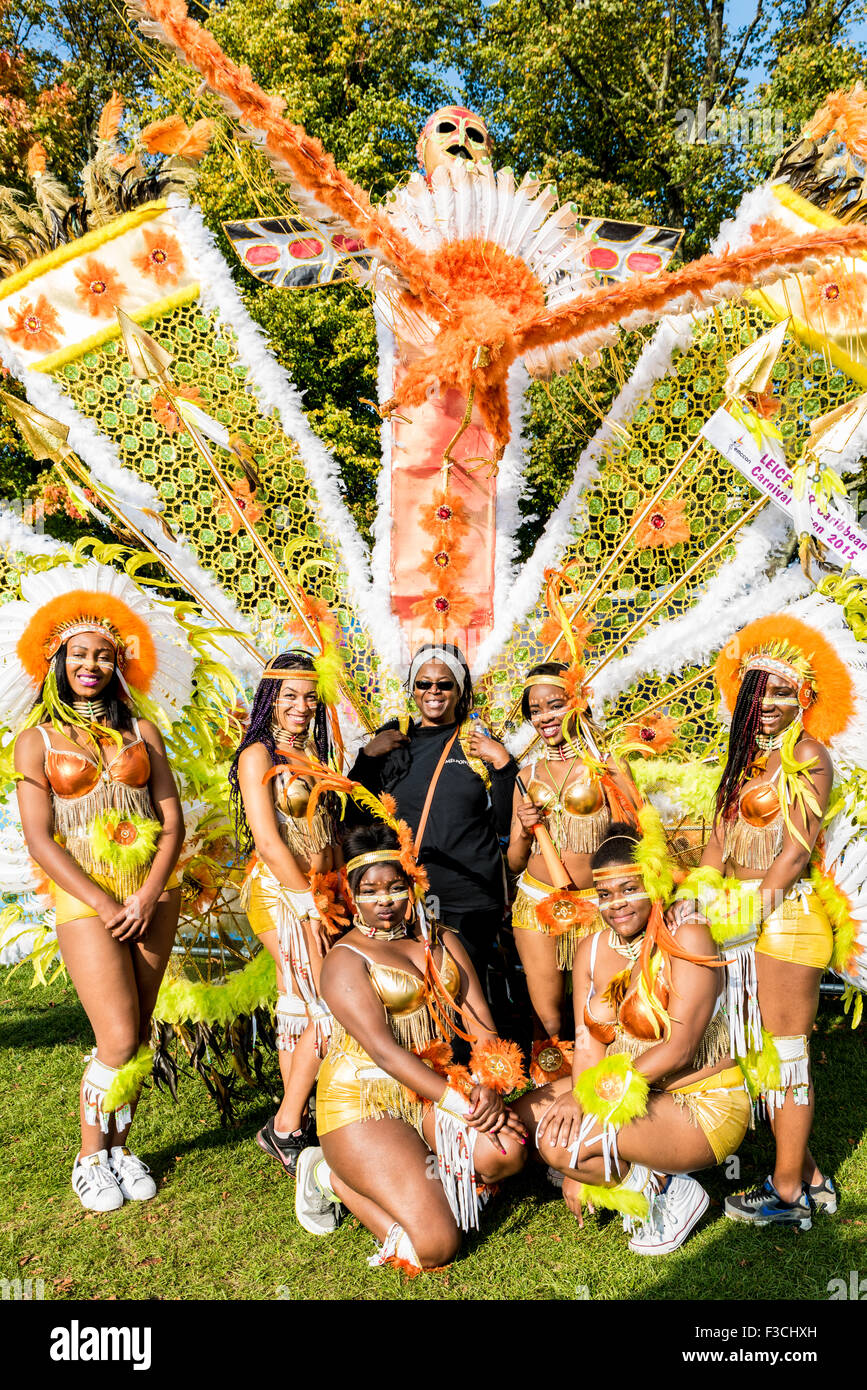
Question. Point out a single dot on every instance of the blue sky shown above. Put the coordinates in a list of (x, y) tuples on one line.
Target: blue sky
[(741, 12)]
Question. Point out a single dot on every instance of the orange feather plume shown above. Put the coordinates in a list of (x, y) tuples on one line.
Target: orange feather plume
[(499, 1065), (110, 118), (172, 136), (834, 703), (36, 159), (79, 606)]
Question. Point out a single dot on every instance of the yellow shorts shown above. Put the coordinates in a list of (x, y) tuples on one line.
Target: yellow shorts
[(525, 917), (346, 1092), (258, 903), (70, 909), (720, 1106), (798, 931)]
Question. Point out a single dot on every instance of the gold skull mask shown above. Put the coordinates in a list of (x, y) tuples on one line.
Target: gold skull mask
[(453, 133)]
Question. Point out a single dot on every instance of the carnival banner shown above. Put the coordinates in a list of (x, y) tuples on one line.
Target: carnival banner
[(767, 470)]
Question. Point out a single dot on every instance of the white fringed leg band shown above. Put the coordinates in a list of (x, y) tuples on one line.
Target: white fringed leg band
[(290, 1021), (97, 1079), (456, 1143), (640, 1179), (295, 958), (397, 1250), (794, 1058), (742, 1002), (607, 1137)]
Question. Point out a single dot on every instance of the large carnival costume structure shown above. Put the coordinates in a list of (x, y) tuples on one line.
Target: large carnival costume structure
[(166, 416)]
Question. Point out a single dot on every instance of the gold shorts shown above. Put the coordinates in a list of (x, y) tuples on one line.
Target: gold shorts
[(70, 909), (798, 931), (258, 906), (346, 1092), (531, 892), (720, 1106)]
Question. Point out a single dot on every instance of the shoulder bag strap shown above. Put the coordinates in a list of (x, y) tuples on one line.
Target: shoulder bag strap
[(425, 810)]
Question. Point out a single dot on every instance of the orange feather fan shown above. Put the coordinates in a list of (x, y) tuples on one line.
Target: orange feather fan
[(78, 606), (834, 703), (110, 118)]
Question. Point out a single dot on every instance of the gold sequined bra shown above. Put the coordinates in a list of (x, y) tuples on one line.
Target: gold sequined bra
[(754, 838), (578, 815)]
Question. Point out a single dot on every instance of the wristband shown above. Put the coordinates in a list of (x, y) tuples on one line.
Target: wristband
[(451, 1102), (302, 902)]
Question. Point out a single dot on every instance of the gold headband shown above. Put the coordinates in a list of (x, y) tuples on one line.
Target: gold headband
[(66, 632), (774, 666), (288, 673), (545, 680), (375, 856)]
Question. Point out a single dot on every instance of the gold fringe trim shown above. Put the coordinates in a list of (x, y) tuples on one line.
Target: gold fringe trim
[(74, 816), (753, 846), (385, 1096), (714, 1045), (525, 919), (579, 834), (304, 840), (82, 246), (73, 819)]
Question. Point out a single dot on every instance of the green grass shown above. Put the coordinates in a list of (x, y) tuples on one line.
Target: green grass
[(222, 1224)]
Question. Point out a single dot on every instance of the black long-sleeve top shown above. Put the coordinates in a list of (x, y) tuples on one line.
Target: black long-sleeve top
[(460, 849)]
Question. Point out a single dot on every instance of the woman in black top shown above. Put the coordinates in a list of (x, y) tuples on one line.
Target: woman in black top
[(472, 802)]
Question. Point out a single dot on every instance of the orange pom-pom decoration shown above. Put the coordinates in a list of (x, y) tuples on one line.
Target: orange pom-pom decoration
[(460, 1080), (549, 1060), (563, 911), (498, 1064), (326, 890)]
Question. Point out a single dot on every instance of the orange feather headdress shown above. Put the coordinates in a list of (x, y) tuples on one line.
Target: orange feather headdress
[(801, 654)]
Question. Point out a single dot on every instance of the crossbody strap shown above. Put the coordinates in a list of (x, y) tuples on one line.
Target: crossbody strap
[(425, 810)]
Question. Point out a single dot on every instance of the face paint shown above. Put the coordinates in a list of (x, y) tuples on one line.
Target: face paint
[(626, 898), (772, 701), (398, 896), (453, 133)]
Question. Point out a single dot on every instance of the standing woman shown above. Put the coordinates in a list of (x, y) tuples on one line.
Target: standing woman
[(472, 776), (102, 818), (789, 692), (571, 794), (270, 807)]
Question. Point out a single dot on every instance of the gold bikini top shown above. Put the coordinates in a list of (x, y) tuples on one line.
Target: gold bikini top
[(754, 837), (291, 799), (578, 814), (404, 997)]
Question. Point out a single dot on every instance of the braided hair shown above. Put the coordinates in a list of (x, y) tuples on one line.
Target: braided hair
[(746, 724), (259, 731)]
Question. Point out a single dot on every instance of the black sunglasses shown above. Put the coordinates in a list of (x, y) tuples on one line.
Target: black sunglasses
[(435, 685)]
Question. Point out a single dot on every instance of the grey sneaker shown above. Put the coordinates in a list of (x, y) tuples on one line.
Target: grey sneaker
[(824, 1196), (318, 1212), (764, 1206)]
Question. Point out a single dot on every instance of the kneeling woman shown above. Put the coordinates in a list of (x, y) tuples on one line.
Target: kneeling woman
[(394, 984), (654, 1089)]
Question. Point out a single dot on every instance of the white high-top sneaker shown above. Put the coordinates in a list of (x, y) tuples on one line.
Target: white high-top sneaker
[(673, 1213), (94, 1184)]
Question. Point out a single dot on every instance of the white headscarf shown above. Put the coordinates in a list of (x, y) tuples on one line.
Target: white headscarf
[(434, 653)]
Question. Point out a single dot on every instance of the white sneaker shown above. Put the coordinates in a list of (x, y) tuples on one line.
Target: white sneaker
[(317, 1213), (94, 1184), (133, 1176), (673, 1214)]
